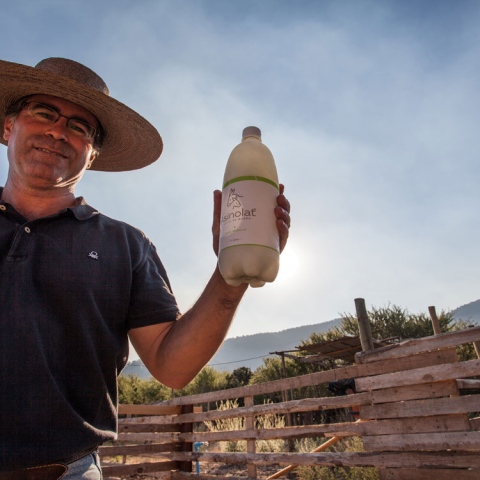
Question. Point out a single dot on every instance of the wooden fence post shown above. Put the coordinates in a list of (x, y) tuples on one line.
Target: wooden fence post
[(436, 324), (186, 446), (251, 444), (437, 330), (364, 325), (476, 346)]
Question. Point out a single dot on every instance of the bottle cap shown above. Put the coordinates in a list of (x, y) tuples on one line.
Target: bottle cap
[(251, 132)]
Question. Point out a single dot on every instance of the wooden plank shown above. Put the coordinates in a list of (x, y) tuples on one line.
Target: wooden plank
[(465, 441), (128, 409), (428, 474), (411, 347), (353, 371), (137, 468), (428, 390), (440, 423), (415, 392), (156, 419), (148, 437), (475, 423), (421, 408), (147, 427), (468, 384), (184, 475), (156, 448), (344, 459), (435, 373)]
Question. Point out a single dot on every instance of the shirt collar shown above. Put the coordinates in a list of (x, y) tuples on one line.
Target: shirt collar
[(81, 210)]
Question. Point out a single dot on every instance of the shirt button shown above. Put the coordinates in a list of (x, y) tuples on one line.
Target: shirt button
[(27, 230), (3, 207)]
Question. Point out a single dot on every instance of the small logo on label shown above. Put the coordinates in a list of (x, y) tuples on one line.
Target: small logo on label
[(233, 199), (93, 255)]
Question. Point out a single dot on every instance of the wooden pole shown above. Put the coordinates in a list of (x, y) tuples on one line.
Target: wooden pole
[(321, 448), (251, 444), (285, 398), (186, 466), (364, 325), (476, 346), (284, 375), (436, 324)]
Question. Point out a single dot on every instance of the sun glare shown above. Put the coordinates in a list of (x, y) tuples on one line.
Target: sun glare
[(289, 263)]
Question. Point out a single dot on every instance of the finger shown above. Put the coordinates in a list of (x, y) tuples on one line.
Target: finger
[(282, 200), (283, 232), (282, 212), (217, 205)]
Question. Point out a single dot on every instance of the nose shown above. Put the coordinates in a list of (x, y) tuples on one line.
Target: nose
[(58, 130)]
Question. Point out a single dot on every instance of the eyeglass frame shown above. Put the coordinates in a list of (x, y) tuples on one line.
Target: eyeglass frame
[(96, 137)]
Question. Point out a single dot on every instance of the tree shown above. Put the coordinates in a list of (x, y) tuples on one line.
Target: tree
[(396, 322), (135, 390), (393, 321), (239, 377)]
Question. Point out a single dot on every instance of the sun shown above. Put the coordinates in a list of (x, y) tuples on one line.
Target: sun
[(290, 261)]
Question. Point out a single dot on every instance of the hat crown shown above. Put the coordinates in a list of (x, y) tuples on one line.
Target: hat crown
[(75, 71)]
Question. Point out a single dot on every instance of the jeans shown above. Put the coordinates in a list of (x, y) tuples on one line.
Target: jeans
[(86, 468)]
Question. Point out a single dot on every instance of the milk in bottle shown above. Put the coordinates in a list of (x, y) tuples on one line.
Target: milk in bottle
[(249, 243)]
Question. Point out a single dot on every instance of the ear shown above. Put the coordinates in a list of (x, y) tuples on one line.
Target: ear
[(7, 127), (93, 156)]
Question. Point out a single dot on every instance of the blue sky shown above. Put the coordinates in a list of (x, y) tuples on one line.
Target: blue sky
[(371, 109)]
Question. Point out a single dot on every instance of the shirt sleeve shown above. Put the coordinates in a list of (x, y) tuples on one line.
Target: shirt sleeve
[(152, 300)]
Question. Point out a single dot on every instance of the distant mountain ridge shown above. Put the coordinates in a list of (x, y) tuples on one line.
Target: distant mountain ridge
[(469, 312), (250, 350)]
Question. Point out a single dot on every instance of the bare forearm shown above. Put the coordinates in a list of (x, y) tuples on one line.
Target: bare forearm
[(175, 352), (192, 341)]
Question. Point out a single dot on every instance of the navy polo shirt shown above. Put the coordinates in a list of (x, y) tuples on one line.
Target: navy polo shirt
[(71, 286)]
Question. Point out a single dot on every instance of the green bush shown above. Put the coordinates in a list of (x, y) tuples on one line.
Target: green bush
[(135, 390)]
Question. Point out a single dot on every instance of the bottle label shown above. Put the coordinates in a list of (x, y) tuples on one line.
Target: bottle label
[(247, 216)]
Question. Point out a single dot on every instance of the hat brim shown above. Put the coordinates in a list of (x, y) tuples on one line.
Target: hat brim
[(130, 141)]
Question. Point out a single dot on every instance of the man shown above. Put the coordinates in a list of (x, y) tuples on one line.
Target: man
[(76, 284)]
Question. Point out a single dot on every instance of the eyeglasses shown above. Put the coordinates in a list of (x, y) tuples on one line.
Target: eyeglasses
[(46, 114)]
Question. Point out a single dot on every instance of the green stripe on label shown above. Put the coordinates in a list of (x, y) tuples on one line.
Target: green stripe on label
[(250, 177), (250, 245)]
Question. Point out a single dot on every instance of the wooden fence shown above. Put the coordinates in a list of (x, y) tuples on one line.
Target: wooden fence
[(418, 419)]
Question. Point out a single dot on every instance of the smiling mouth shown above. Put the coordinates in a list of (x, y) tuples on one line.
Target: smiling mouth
[(51, 152)]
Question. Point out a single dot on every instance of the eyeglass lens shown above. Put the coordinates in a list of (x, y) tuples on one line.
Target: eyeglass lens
[(46, 114)]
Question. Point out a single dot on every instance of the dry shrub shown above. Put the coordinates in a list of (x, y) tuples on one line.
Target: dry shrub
[(349, 444), (238, 423)]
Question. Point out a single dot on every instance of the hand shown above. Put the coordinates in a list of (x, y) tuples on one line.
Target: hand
[(282, 212)]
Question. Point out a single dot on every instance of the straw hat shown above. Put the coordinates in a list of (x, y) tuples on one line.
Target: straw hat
[(130, 141)]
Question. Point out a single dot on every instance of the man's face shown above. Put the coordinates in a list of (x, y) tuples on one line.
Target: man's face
[(48, 155)]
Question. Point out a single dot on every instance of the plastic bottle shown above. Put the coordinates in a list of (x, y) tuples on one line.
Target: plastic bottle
[(249, 244)]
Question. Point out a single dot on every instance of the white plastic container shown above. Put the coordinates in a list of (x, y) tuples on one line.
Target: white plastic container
[(249, 244)]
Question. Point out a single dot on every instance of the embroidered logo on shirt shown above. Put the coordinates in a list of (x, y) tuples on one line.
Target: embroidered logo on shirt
[(93, 255)]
